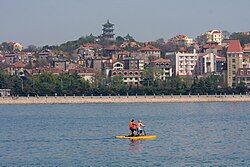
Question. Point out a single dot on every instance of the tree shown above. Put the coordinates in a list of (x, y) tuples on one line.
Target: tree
[(225, 34), (129, 38), (160, 41), (119, 40), (46, 83), (243, 37), (241, 88), (31, 48), (148, 77)]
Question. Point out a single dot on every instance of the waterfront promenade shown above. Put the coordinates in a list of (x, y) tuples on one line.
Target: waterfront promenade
[(124, 99)]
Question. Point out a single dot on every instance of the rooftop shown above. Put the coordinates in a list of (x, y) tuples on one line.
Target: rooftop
[(234, 46)]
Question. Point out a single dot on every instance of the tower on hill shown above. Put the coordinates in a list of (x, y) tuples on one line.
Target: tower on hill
[(108, 31)]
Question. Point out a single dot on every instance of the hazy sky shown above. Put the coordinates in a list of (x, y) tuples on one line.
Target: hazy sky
[(42, 22)]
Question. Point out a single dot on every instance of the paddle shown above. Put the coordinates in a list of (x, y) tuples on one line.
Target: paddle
[(144, 131)]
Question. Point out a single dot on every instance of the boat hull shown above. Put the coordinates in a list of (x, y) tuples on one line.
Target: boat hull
[(152, 137)]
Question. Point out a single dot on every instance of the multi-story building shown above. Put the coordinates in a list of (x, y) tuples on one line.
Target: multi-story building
[(184, 64), (162, 67), (129, 76), (149, 53), (214, 36), (206, 63), (133, 63), (234, 61), (60, 63), (11, 58), (243, 75), (182, 40), (210, 36)]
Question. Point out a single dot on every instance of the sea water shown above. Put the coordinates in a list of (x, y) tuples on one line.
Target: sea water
[(189, 134)]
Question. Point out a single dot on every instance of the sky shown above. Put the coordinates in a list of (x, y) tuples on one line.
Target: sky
[(52, 22)]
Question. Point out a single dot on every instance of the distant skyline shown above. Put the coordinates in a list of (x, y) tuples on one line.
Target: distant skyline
[(52, 22)]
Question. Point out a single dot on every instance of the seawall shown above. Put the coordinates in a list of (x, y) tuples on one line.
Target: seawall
[(124, 99)]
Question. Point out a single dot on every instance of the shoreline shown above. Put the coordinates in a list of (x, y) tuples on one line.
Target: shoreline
[(123, 99)]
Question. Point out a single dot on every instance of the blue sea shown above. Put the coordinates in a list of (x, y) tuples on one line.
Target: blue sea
[(189, 134)]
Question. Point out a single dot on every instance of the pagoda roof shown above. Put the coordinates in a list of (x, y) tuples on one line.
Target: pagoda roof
[(108, 24)]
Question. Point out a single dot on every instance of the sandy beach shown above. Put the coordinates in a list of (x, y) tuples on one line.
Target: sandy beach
[(123, 99)]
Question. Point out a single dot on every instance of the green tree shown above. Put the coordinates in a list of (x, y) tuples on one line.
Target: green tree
[(46, 84), (119, 40), (244, 38)]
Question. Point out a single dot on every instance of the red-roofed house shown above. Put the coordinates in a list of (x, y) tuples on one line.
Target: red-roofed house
[(234, 61), (18, 68), (150, 51)]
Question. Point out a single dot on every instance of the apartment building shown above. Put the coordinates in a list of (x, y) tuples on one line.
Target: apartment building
[(234, 61)]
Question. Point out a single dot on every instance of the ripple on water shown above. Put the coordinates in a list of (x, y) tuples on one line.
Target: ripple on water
[(189, 134)]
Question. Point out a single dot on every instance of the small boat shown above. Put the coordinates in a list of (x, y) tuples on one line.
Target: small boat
[(147, 137)]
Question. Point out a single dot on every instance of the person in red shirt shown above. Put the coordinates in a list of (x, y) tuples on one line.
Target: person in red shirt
[(132, 127)]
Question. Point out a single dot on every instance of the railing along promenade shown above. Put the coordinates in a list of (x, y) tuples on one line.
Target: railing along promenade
[(123, 99)]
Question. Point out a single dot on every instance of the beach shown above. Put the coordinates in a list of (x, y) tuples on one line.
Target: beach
[(124, 99)]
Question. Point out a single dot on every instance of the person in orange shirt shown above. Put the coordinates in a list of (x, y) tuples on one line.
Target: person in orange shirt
[(139, 127), (132, 127)]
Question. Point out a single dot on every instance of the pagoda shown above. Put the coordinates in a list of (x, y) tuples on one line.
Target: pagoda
[(108, 31)]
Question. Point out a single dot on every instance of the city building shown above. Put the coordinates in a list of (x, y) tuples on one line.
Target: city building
[(184, 64), (11, 58), (234, 61), (60, 63), (4, 92), (210, 36), (133, 63), (182, 40), (206, 63), (129, 76), (243, 75), (149, 53), (162, 68)]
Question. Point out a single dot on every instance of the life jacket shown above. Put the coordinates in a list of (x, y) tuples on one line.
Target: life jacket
[(131, 125)]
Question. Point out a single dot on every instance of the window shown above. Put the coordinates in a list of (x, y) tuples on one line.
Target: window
[(114, 73), (233, 60), (241, 72)]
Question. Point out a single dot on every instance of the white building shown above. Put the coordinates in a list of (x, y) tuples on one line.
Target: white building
[(184, 64), (206, 63), (214, 36)]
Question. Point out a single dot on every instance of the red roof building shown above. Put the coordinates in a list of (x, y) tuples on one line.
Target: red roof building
[(234, 47)]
